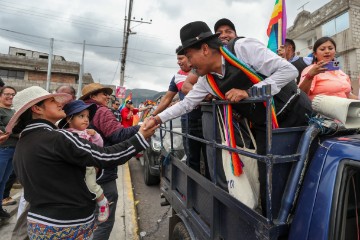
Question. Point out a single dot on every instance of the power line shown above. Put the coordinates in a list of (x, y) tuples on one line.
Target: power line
[(48, 11), (79, 43), (83, 24), (150, 65), (23, 11)]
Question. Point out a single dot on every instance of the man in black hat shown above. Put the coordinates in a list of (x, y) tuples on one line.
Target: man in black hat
[(226, 30), (208, 58)]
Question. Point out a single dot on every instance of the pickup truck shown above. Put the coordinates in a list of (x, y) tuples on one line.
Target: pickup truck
[(152, 156), (313, 187)]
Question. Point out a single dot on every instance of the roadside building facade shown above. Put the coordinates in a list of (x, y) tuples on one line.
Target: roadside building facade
[(338, 19), (22, 68)]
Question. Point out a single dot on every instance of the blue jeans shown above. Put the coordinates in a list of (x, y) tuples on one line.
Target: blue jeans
[(6, 167)]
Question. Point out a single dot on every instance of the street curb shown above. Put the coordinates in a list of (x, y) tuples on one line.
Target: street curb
[(131, 201)]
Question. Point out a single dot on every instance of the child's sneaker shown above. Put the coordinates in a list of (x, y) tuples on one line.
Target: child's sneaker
[(103, 213)]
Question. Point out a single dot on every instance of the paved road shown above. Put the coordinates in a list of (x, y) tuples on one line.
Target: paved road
[(152, 218)]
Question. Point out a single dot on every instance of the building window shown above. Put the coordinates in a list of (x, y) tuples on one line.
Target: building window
[(12, 74), (336, 25), (43, 57), (309, 42), (20, 54), (20, 75), (3, 73)]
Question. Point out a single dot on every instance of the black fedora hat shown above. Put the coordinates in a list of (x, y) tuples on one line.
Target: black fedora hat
[(193, 33)]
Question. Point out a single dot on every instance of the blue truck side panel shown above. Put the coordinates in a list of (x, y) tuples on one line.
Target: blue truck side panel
[(311, 219)]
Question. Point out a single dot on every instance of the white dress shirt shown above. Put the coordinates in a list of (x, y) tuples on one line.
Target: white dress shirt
[(257, 56)]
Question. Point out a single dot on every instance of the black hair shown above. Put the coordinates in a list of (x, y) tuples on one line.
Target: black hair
[(291, 42), (213, 43), (5, 87), (25, 119), (319, 42), (178, 49)]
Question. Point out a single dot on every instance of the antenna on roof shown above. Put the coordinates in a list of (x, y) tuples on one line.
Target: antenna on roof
[(303, 6)]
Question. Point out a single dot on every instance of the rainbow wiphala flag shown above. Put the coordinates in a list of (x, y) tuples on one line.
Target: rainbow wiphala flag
[(277, 26)]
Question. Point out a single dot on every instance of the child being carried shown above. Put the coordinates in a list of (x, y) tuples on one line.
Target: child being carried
[(78, 117)]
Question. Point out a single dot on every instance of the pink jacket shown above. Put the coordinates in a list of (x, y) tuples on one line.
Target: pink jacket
[(96, 139)]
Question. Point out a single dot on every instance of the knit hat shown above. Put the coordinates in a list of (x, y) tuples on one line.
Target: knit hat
[(28, 97), (74, 107), (94, 88), (222, 22)]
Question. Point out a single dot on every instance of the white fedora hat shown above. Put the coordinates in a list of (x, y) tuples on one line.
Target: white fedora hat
[(28, 97)]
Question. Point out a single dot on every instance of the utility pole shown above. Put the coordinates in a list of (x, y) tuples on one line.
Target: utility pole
[(81, 73), (48, 76), (126, 34), (125, 43)]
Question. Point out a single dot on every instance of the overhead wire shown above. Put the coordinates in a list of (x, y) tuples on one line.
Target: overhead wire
[(21, 11)]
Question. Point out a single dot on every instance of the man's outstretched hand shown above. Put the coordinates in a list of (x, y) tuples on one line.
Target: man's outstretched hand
[(147, 129)]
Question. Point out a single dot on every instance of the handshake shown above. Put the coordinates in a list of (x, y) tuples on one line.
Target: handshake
[(148, 127)]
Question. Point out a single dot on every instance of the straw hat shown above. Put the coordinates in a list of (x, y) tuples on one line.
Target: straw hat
[(28, 97), (93, 88)]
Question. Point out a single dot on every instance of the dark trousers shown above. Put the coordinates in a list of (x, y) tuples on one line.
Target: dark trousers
[(10, 182), (104, 229), (214, 156), (194, 150)]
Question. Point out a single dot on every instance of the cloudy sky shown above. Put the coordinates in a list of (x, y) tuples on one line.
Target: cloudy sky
[(151, 59)]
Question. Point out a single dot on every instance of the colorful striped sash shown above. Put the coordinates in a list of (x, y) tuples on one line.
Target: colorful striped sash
[(252, 75), (228, 121), (228, 128)]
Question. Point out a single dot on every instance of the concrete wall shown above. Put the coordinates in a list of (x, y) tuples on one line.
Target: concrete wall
[(32, 54), (55, 77), (25, 63), (62, 72), (22, 84)]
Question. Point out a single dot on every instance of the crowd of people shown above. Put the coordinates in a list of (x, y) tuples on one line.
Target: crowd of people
[(65, 152)]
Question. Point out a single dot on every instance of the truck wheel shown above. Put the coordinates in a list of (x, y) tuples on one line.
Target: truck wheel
[(148, 178), (180, 232)]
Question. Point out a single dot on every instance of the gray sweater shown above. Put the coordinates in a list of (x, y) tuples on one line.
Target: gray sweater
[(5, 116)]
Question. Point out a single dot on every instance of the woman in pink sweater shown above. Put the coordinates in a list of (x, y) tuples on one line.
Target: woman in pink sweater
[(318, 79)]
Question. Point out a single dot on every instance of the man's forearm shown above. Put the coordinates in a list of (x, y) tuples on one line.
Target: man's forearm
[(161, 107)]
